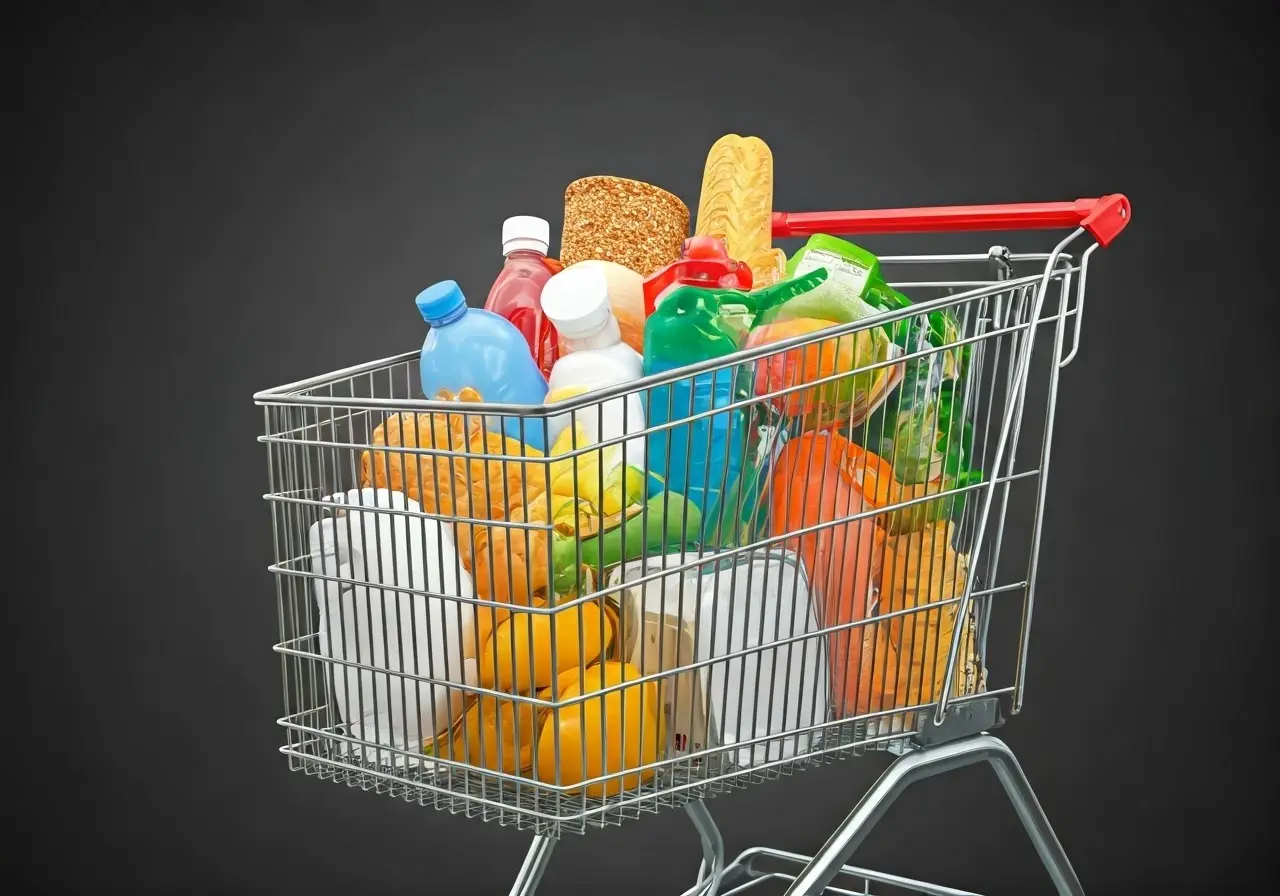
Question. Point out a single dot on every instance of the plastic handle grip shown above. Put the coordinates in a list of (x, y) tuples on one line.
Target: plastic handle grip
[(1103, 217)]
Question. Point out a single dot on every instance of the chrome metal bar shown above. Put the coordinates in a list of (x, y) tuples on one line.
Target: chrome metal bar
[(269, 396), (712, 867), (742, 866), (535, 865), (1075, 333), (289, 395), (1037, 526), (1008, 425), (913, 767)]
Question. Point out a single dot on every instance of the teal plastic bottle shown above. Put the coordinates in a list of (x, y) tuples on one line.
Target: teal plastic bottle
[(477, 348)]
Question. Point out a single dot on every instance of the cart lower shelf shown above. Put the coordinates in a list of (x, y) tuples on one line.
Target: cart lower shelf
[(827, 871)]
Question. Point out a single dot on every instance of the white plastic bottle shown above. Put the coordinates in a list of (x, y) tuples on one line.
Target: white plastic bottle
[(577, 302)]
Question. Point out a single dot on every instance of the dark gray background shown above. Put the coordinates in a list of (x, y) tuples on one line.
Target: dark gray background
[(217, 200)]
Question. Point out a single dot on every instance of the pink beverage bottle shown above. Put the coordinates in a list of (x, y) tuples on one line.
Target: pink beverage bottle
[(517, 293)]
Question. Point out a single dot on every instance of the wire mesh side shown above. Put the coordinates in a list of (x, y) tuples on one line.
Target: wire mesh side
[(664, 655)]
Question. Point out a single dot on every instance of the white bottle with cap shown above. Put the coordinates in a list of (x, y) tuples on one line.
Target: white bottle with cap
[(525, 232), (576, 301)]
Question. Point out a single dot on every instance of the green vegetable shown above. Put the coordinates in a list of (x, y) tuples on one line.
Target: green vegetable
[(657, 529)]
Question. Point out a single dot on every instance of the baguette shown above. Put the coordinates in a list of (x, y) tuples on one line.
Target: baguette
[(736, 203)]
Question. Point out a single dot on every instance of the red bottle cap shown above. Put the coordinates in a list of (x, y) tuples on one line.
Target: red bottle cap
[(704, 262)]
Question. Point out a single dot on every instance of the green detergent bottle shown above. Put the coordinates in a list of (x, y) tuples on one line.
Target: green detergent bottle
[(702, 460)]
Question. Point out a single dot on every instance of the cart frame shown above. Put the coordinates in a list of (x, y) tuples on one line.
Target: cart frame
[(956, 733)]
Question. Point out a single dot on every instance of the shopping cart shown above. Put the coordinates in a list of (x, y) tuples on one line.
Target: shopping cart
[(612, 678)]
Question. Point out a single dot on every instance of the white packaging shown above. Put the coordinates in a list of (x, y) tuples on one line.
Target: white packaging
[(389, 629), (734, 604)]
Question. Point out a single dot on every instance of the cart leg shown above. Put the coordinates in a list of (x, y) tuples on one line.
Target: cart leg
[(712, 867), (535, 863), (926, 763)]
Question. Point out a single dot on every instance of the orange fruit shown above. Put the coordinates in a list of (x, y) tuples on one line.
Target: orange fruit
[(520, 648), (602, 735), (491, 727)]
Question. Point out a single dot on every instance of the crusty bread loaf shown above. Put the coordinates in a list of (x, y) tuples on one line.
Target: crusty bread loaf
[(628, 222)]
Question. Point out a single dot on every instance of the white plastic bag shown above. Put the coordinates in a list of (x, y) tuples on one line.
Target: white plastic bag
[(388, 629)]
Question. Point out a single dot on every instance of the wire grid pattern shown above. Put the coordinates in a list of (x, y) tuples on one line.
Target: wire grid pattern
[(317, 433)]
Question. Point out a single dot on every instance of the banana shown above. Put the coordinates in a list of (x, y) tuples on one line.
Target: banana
[(573, 476), (623, 487), (579, 476)]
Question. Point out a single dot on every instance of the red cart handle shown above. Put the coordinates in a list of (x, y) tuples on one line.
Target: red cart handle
[(1104, 218)]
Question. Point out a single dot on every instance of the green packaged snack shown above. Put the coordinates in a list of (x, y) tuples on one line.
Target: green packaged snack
[(923, 429), (850, 269)]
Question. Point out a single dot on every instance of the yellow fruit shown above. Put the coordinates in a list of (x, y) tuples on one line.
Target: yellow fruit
[(571, 439), (585, 519), (611, 614), (524, 640), (492, 726), (563, 392), (602, 735), (580, 476), (563, 680), (577, 476), (623, 487), (605, 674), (576, 679)]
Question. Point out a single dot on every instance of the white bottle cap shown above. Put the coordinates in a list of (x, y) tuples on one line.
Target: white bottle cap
[(525, 232), (576, 300)]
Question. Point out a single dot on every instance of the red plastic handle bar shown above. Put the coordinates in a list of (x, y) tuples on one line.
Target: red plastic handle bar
[(1104, 218)]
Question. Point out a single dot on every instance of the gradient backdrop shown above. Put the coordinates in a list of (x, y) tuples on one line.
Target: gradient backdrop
[(215, 200)]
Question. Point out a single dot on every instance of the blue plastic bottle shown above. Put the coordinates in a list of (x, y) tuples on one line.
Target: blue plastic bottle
[(476, 348)]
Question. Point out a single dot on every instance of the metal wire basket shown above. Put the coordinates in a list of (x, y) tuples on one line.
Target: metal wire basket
[(538, 640)]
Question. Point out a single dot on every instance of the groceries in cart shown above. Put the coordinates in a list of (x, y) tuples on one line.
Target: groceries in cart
[(714, 470)]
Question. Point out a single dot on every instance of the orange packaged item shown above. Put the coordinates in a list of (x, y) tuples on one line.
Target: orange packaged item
[(818, 478), (905, 658), (512, 563), (476, 487)]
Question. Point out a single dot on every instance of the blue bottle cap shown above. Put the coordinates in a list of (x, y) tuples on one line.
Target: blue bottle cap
[(440, 300)]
